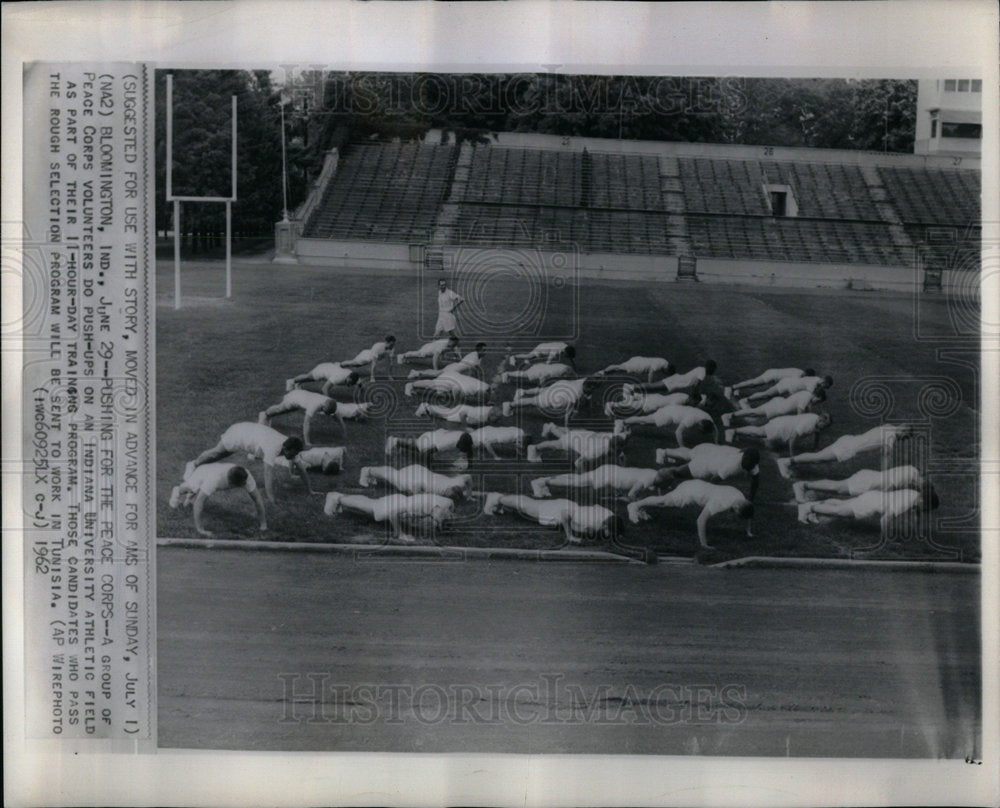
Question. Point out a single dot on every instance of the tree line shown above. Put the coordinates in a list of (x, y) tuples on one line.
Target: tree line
[(334, 109)]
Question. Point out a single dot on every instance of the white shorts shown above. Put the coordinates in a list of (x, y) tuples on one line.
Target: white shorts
[(864, 480), (446, 322), (844, 448)]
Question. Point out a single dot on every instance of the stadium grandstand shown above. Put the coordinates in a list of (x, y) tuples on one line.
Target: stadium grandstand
[(661, 210)]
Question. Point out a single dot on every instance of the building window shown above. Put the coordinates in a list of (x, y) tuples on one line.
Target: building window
[(933, 126), (963, 85), (969, 131), (977, 85), (949, 85)]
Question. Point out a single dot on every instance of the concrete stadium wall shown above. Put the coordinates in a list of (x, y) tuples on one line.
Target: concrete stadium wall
[(376, 255), (787, 273), (351, 254), (721, 151)]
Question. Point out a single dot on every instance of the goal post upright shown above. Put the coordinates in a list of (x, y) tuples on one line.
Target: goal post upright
[(177, 199)]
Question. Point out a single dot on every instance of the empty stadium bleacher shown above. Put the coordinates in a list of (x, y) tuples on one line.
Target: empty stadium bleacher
[(927, 196), (384, 191), (644, 203)]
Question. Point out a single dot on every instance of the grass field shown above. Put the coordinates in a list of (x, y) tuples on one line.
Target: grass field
[(219, 362)]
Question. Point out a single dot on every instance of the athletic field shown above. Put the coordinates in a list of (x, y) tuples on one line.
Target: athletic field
[(310, 651), (219, 362)]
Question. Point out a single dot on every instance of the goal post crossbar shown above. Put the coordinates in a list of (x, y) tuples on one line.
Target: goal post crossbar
[(177, 199)]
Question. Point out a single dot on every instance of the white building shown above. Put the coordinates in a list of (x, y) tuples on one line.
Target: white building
[(949, 117)]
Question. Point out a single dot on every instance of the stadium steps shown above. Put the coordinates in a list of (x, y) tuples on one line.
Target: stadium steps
[(880, 196), (444, 225)]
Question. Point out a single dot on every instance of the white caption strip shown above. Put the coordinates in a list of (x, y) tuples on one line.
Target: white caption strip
[(87, 400)]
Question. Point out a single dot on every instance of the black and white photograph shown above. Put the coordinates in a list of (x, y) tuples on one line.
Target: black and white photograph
[(577, 414), (607, 414)]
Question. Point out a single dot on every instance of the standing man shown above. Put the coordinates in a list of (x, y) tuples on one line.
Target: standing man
[(448, 303)]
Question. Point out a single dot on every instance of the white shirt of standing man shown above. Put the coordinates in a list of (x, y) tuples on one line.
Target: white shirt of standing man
[(448, 302)]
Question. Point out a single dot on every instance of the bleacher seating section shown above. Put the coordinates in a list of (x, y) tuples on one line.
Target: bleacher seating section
[(612, 202), (385, 191), (806, 240), (933, 197), (596, 201)]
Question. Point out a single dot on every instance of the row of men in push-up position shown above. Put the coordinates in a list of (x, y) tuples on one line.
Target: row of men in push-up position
[(788, 390)]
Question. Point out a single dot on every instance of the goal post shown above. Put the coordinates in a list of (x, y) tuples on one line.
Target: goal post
[(178, 199)]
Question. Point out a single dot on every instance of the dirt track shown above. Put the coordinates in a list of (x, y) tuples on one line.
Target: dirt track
[(572, 657)]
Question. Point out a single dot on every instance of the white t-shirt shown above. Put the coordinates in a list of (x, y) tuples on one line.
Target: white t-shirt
[(712, 498), (545, 370), (254, 439), (709, 461), (212, 477), (786, 427), (888, 480), (650, 402), (441, 439), (780, 405), (796, 384), (588, 519), (587, 444), (450, 380), (620, 478), (682, 381), (497, 435), (848, 446), (471, 360), (643, 364), (679, 415), (879, 503), (417, 479), (549, 349), (562, 395), (316, 458), (306, 400), (428, 505), (551, 512), (447, 300), (331, 372), (774, 374)]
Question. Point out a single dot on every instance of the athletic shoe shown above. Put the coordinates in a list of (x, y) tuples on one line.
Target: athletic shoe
[(609, 410), (727, 419), (413, 374), (619, 427), (175, 496), (365, 479), (262, 417), (727, 392), (390, 445), (512, 361), (784, 467), (661, 456), (799, 489), (408, 390), (633, 513), (289, 385), (421, 410), (332, 504), (628, 390), (491, 504), (506, 410), (189, 469), (533, 456), (539, 489), (730, 434), (399, 359)]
